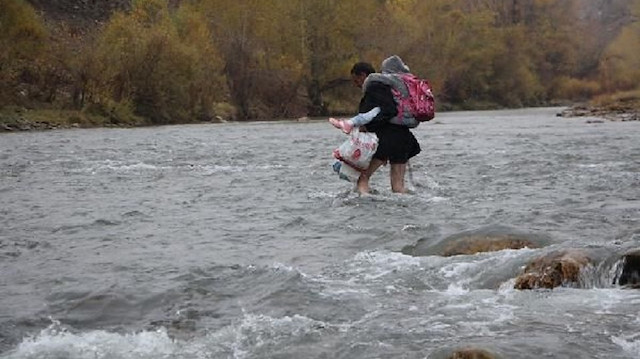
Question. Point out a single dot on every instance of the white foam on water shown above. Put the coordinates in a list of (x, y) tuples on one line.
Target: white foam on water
[(629, 343), (455, 289), (54, 343), (372, 265), (254, 331), (240, 340), (106, 166), (594, 165), (409, 227), (475, 266), (235, 168), (424, 180), (601, 300), (507, 288), (602, 165), (269, 167), (215, 169), (321, 195), (277, 266), (386, 257), (344, 291), (356, 279), (456, 269), (121, 166)]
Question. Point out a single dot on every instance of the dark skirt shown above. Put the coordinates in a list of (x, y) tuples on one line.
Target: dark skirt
[(396, 144)]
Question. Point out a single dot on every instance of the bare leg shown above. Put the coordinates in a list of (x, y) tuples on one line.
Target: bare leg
[(397, 177), (363, 181)]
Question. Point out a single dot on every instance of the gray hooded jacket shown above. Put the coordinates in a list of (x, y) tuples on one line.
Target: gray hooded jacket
[(392, 67)]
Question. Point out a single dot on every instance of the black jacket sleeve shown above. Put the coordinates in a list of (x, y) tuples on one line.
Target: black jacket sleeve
[(378, 95)]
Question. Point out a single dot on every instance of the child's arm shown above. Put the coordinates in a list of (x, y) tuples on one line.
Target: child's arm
[(362, 119)]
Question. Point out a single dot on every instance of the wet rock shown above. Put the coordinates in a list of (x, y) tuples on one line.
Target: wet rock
[(630, 117), (487, 239), (630, 275), (555, 269), (486, 243), (13, 254), (464, 353), (578, 111)]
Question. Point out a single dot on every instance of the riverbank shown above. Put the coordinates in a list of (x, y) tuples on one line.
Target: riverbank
[(18, 119), (618, 107), (15, 119)]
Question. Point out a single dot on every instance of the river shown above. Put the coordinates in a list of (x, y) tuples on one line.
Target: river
[(238, 241)]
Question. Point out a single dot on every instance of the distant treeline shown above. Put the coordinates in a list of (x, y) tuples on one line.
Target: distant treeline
[(253, 59)]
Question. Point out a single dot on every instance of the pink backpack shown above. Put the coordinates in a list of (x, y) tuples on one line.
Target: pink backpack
[(420, 102)]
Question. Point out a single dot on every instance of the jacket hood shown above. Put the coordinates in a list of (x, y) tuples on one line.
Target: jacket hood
[(394, 65)]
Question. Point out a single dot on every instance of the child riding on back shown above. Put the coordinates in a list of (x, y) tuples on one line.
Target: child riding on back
[(395, 74)]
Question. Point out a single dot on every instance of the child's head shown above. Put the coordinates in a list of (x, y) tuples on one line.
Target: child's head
[(360, 71)]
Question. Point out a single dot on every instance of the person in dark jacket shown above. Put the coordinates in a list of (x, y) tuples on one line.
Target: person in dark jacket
[(396, 142)]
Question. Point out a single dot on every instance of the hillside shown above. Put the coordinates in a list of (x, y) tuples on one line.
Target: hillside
[(79, 12), (83, 13), (172, 61)]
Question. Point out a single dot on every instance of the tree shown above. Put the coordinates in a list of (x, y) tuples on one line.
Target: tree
[(161, 62), (23, 42), (620, 63)]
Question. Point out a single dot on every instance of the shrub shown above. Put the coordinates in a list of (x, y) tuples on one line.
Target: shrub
[(162, 63), (568, 88), (22, 40)]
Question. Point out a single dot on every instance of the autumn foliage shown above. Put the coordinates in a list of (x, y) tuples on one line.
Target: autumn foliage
[(182, 61)]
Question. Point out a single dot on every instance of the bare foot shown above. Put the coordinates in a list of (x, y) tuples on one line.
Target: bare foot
[(345, 126), (335, 122)]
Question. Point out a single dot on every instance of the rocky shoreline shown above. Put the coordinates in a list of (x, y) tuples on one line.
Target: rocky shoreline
[(18, 120), (622, 110), (34, 126), (604, 114)]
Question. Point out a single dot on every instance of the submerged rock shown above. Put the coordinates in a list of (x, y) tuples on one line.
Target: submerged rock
[(486, 243), (630, 275), (464, 353), (553, 270), (486, 239)]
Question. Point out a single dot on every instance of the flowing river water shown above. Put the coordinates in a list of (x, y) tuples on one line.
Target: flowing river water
[(238, 241)]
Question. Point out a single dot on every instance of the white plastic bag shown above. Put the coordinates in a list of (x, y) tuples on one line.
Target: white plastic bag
[(356, 153), (346, 172)]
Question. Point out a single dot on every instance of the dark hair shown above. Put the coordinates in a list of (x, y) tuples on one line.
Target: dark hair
[(362, 68)]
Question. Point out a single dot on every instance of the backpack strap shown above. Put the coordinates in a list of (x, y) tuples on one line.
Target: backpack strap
[(393, 80)]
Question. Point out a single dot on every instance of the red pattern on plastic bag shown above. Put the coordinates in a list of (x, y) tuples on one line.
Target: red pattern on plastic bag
[(358, 150)]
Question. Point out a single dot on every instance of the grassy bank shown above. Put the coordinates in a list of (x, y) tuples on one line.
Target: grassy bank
[(15, 118), (21, 119)]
